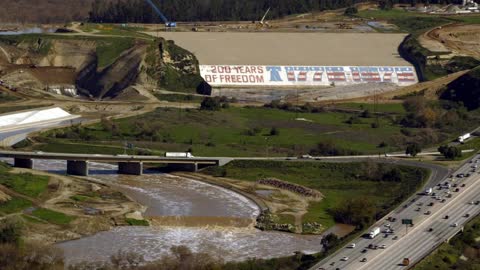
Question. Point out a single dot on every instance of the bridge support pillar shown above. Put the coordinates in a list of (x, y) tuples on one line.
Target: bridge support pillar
[(79, 168), (131, 168), (26, 163), (183, 167)]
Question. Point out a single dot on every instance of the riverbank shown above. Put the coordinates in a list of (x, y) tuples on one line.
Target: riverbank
[(57, 208)]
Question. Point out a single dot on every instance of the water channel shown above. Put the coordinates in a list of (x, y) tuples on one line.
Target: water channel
[(171, 196)]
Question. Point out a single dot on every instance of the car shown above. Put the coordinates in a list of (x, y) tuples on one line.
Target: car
[(385, 235), (454, 185), (455, 225), (383, 246), (345, 259), (395, 237), (449, 195), (463, 185), (443, 200), (471, 203), (364, 260), (457, 190), (371, 246), (394, 219), (428, 213), (430, 230), (431, 204), (306, 157), (477, 202), (351, 245), (467, 175), (387, 225), (364, 250), (446, 217), (418, 209), (467, 215)]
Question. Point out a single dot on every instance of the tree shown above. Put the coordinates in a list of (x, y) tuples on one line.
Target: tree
[(366, 114), (450, 152), (413, 149), (210, 104), (274, 131), (329, 241), (350, 11)]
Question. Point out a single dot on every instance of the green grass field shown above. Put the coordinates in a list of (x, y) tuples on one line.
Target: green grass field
[(52, 216), (383, 108), (14, 205), (108, 50), (226, 133), (24, 183), (336, 181)]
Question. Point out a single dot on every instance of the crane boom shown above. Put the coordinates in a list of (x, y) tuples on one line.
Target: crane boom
[(159, 13), (264, 16)]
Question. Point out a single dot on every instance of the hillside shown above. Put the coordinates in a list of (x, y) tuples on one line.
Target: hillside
[(100, 67), (465, 89)]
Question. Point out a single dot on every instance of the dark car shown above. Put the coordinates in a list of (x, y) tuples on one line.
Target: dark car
[(446, 217), (430, 230), (364, 250), (364, 260), (431, 204), (463, 185), (457, 190)]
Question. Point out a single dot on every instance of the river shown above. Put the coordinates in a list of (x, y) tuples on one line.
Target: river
[(181, 198)]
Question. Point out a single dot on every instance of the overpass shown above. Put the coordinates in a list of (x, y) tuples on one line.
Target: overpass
[(77, 164)]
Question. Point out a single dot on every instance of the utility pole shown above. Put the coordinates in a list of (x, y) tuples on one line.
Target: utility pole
[(297, 105)]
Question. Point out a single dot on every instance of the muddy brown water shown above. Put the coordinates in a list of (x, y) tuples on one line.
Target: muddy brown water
[(201, 216)]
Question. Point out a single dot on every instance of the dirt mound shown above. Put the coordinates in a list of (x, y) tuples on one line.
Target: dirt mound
[(459, 40)]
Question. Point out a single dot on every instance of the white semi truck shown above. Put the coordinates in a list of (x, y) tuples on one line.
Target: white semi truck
[(179, 154), (374, 232), (464, 137)]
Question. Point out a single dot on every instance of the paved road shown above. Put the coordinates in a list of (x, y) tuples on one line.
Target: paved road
[(11, 135), (419, 241)]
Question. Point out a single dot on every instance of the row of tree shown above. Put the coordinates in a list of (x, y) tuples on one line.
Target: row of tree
[(139, 11)]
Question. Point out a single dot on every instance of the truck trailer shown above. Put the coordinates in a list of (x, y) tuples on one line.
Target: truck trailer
[(179, 154), (464, 137), (374, 232)]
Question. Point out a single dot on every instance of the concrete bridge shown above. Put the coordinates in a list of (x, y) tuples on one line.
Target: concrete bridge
[(77, 164)]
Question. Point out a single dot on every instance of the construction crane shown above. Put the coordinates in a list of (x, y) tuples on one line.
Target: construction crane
[(168, 23), (262, 22)]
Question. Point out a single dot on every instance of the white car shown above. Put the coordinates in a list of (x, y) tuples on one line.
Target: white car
[(345, 259), (351, 245), (455, 225), (383, 246), (387, 225)]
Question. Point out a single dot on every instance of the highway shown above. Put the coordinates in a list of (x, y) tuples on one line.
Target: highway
[(429, 229)]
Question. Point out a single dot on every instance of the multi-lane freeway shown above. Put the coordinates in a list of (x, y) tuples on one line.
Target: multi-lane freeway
[(436, 218)]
